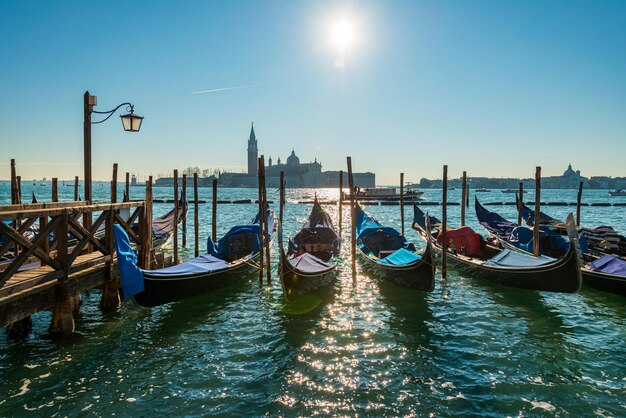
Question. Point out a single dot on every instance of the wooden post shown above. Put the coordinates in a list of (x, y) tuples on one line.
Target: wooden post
[(55, 189), (520, 203), (578, 201), (88, 104), (13, 183), (467, 197), (114, 184), (444, 223), (148, 232), (463, 198), (282, 198), (63, 317), (214, 212), (402, 201), (266, 231), (261, 163), (175, 217), (75, 188), (195, 215), (184, 199), (18, 181), (537, 211), (340, 201), (127, 189), (352, 218)]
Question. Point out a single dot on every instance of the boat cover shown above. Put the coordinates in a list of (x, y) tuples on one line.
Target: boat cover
[(600, 237), (400, 257), (508, 258), (131, 275), (308, 263), (224, 251), (610, 264), (463, 237), (203, 264)]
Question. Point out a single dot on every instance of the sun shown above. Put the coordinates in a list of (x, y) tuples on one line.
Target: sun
[(342, 34)]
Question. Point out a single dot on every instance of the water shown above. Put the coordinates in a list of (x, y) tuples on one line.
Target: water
[(370, 348)]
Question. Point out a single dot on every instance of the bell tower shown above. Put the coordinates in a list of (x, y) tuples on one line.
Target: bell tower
[(253, 153)]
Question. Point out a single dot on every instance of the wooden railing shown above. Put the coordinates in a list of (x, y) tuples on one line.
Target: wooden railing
[(60, 236)]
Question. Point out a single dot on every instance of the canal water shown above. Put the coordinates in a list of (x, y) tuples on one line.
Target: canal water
[(369, 348)]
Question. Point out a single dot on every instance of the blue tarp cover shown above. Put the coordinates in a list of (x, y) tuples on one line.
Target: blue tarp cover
[(131, 275), (508, 258), (610, 264), (203, 264), (400, 257), (308, 263)]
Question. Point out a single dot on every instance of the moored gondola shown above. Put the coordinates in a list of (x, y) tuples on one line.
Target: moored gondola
[(470, 253), (605, 272), (226, 261), (388, 254), (310, 262)]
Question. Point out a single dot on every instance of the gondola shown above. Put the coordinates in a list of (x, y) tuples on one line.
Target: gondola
[(603, 239), (310, 262), (472, 254), (230, 259), (388, 254), (605, 272)]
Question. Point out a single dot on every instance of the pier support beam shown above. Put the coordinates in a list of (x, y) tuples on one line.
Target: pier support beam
[(63, 314)]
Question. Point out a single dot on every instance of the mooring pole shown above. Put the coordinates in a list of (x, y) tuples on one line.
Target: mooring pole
[(282, 198), (75, 188), (127, 189), (463, 198), (195, 215), (536, 248), (352, 218), (148, 221), (214, 212), (578, 201), (520, 203), (402, 201), (18, 181), (184, 199), (114, 184), (340, 201), (261, 163), (267, 231), (444, 223), (55, 189), (13, 183), (175, 217)]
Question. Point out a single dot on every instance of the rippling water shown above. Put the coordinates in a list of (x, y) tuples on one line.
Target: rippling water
[(370, 348)]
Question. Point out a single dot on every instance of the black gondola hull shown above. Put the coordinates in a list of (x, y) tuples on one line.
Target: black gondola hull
[(297, 283), (605, 282)]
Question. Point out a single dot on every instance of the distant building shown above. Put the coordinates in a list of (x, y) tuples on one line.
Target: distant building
[(297, 174), (133, 180)]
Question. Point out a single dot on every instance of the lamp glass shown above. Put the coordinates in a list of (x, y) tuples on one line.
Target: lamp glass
[(131, 122)]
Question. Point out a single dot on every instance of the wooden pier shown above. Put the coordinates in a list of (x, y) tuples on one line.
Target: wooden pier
[(48, 257)]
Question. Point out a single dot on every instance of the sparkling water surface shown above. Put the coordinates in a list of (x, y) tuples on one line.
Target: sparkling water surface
[(370, 348)]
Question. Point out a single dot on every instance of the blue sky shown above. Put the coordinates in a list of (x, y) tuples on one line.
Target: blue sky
[(491, 87)]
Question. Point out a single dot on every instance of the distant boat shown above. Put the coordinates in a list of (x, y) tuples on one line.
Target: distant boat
[(386, 193), (512, 191), (482, 190), (452, 188), (618, 192)]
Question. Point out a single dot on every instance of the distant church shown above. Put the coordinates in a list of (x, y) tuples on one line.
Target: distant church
[(297, 175)]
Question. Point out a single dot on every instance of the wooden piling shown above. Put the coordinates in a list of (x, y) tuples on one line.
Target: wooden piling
[(195, 216), (267, 231), (75, 188), (402, 201), (55, 189), (352, 218), (281, 199), (340, 201), (463, 198), (261, 163), (18, 181), (214, 212), (114, 184), (444, 223), (536, 248), (148, 233), (467, 196), (520, 203), (578, 201), (175, 217), (13, 183), (63, 313), (184, 199), (127, 188)]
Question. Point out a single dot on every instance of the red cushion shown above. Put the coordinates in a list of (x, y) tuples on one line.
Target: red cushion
[(463, 237)]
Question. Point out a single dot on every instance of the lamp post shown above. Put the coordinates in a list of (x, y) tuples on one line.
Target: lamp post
[(131, 122)]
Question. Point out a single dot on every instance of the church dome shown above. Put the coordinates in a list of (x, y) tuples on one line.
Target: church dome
[(569, 172), (293, 159)]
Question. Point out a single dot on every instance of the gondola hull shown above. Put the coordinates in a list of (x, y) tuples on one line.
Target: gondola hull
[(419, 275), (605, 282), (297, 283), (160, 290)]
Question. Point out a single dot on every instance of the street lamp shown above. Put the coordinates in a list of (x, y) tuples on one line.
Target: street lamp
[(131, 122)]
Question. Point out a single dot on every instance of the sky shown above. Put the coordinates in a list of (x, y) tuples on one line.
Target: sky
[(491, 87)]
